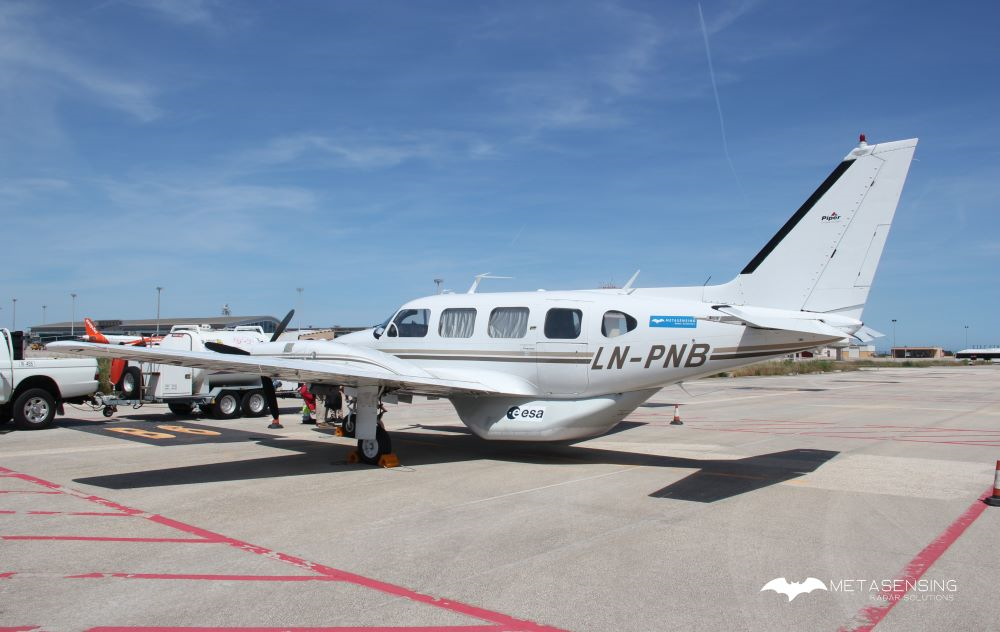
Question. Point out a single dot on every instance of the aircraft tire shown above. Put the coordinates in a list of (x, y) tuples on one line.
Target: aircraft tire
[(370, 451), (349, 425)]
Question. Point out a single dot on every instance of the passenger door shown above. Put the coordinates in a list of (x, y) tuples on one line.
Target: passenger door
[(561, 352)]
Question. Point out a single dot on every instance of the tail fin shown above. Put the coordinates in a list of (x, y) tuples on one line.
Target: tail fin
[(93, 335), (825, 256)]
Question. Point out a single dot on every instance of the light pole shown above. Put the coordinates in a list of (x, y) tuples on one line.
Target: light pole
[(893, 337), (43, 313), (298, 303), (72, 317), (13, 315), (438, 283), (966, 336), (158, 290)]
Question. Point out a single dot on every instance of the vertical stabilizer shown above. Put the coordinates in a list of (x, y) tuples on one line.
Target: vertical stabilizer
[(825, 256)]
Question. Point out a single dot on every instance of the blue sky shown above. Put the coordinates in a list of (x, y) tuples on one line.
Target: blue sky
[(233, 151)]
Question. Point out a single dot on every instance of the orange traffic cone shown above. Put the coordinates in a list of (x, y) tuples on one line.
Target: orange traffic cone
[(994, 500), (677, 416)]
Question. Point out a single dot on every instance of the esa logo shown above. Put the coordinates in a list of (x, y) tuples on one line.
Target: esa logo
[(516, 412)]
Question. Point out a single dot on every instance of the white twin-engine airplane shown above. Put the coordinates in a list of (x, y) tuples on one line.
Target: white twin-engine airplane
[(567, 365)]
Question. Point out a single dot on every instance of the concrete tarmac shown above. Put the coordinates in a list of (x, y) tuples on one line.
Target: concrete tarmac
[(867, 481)]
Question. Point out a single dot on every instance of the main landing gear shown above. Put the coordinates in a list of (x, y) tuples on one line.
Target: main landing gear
[(374, 443)]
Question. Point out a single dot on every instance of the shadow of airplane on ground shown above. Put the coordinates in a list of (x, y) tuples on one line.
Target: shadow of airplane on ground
[(715, 479)]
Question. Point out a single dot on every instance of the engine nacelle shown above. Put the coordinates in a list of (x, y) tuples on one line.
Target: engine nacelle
[(523, 419)]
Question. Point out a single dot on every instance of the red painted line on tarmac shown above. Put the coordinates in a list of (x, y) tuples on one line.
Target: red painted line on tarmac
[(870, 616), (7, 575), (24, 491), (200, 577), (439, 628), (501, 622), (90, 538), (102, 514)]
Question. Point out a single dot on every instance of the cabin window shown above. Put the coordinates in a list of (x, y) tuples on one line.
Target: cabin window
[(411, 323), (563, 324), (457, 323), (616, 324), (508, 322)]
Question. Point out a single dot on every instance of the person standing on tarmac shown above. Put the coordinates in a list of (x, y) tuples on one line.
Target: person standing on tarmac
[(308, 406)]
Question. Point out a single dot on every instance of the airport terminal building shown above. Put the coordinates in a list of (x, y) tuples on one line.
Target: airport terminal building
[(147, 327)]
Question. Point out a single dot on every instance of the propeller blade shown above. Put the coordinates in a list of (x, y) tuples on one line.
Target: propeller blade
[(218, 347), (281, 326)]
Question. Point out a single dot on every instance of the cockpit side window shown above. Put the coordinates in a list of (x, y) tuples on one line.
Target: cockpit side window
[(563, 324), (411, 323), (617, 323)]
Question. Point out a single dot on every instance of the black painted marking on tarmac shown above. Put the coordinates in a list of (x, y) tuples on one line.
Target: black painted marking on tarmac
[(167, 433)]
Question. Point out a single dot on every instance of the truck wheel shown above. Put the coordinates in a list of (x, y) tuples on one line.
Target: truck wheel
[(181, 409), (131, 383), (371, 450), (6, 412), (254, 404), (34, 409), (226, 406)]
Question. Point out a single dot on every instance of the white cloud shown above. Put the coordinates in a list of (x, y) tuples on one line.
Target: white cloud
[(362, 150), (25, 48), (186, 12)]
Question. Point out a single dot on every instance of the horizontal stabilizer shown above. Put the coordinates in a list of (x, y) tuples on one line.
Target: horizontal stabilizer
[(786, 323), (867, 334)]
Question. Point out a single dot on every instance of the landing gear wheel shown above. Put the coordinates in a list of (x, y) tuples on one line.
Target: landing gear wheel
[(131, 383), (349, 425), (108, 411), (34, 409), (181, 409), (371, 450), (226, 406), (254, 404)]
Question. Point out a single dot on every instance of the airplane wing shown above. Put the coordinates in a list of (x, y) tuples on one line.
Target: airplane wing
[(344, 373), (768, 321)]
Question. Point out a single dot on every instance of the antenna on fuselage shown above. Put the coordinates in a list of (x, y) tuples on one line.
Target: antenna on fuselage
[(479, 279), (628, 284)]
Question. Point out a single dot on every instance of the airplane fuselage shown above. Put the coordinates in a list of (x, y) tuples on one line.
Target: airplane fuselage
[(583, 360)]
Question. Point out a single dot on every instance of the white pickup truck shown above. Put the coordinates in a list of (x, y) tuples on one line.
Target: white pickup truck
[(32, 390)]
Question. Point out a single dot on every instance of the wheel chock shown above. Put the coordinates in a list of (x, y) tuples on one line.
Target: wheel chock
[(338, 432), (354, 457), (388, 460)]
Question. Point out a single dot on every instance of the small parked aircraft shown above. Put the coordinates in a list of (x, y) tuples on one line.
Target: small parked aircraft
[(95, 335), (567, 365)]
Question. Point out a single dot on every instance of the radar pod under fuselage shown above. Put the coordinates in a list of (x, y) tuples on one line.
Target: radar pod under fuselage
[(523, 419)]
